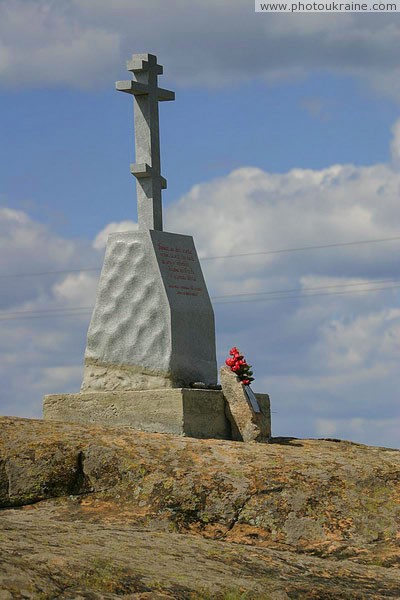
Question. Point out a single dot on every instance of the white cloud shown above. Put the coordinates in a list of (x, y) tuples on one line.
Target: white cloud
[(329, 361), (332, 353), (76, 289), (100, 240), (36, 351), (251, 210), (43, 42), (84, 43), (364, 341), (19, 234), (41, 346)]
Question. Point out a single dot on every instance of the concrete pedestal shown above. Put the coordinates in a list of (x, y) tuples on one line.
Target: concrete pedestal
[(180, 411)]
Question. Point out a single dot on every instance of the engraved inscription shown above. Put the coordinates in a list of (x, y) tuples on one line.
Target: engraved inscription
[(178, 267)]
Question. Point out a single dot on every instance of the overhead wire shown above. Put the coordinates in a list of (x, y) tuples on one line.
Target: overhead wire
[(206, 258), (60, 314), (309, 295), (38, 274), (265, 296), (81, 310), (318, 287), (303, 248)]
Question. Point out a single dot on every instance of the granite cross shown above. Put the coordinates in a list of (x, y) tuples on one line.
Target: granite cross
[(147, 168)]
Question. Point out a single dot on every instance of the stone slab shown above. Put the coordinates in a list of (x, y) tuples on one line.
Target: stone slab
[(153, 322), (247, 424), (180, 411)]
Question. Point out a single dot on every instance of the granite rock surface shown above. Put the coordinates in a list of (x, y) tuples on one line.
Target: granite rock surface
[(92, 512), (247, 425)]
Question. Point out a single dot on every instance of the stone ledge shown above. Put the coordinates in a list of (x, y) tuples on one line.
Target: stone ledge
[(180, 411)]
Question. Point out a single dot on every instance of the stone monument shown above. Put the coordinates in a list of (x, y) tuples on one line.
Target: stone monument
[(153, 323), (152, 333)]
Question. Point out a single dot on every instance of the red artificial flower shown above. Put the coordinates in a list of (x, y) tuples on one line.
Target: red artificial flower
[(239, 366)]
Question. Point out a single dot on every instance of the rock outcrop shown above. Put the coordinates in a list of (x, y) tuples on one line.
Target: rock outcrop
[(247, 425), (92, 512)]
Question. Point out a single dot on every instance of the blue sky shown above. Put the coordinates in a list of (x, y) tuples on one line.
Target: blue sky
[(283, 135), (68, 151)]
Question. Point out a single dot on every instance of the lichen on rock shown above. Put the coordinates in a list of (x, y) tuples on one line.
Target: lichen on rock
[(97, 512)]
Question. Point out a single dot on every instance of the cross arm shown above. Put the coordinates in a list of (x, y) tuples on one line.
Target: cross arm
[(143, 170), (139, 89), (144, 62)]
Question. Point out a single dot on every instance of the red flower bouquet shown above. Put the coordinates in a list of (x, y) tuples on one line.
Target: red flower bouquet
[(239, 366)]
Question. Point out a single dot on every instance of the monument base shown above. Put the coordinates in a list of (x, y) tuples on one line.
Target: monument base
[(181, 411)]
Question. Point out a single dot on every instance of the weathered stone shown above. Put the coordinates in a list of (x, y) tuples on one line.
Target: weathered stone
[(153, 322), (290, 519), (147, 169), (108, 377), (181, 411), (152, 326), (247, 425)]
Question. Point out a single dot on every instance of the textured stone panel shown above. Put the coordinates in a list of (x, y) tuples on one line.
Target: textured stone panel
[(130, 323), (153, 322)]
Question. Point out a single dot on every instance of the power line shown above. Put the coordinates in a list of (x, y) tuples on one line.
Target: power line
[(48, 310), (319, 287), (86, 309), (60, 314), (388, 287), (283, 291), (260, 253), (301, 249), (49, 272)]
